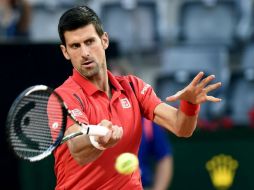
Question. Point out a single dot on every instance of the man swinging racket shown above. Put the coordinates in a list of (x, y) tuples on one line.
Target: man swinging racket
[(97, 97)]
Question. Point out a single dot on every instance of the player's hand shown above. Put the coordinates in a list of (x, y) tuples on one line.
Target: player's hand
[(196, 92), (113, 136)]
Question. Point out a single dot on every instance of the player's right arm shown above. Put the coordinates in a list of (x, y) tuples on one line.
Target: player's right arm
[(81, 148)]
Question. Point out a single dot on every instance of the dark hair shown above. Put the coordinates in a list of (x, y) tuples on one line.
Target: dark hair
[(77, 17)]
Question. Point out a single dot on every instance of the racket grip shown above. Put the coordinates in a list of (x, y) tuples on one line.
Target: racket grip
[(94, 130)]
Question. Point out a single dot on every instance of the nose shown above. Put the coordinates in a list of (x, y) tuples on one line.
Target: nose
[(85, 52)]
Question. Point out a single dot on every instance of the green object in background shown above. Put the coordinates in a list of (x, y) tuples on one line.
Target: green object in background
[(192, 154), (37, 175)]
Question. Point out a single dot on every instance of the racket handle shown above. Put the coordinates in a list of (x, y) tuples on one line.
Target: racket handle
[(94, 130)]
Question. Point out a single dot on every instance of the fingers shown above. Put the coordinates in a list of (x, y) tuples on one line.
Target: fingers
[(212, 87), (194, 82), (196, 92), (117, 132), (202, 88), (106, 138), (171, 98), (213, 99), (197, 78), (205, 81), (103, 140), (113, 136), (175, 97), (106, 123)]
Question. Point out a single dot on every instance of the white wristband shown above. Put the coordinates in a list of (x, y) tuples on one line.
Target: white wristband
[(95, 143)]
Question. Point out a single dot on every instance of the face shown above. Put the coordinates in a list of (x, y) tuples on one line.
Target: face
[(86, 50)]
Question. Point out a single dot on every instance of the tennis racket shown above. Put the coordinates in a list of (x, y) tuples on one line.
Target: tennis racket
[(36, 123)]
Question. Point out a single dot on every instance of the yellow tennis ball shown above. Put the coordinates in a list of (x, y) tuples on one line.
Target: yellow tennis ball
[(126, 163)]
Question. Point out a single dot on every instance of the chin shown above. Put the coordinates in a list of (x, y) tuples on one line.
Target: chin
[(90, 74)]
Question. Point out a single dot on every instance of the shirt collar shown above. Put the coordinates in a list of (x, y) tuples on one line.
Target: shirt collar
[(114, 82), (89, 87)]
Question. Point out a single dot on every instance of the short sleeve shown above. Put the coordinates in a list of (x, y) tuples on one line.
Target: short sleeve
[(146, 96), (74, 107)]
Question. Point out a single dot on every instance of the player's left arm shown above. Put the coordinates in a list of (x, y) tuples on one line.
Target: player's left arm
[(179, 121)]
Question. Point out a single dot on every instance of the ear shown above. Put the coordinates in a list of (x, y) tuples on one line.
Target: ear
[(65, 53), (105, 40)]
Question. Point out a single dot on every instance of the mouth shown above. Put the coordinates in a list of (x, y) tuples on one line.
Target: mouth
[(87, 63)]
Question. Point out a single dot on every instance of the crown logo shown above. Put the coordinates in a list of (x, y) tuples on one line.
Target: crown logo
[(222, 169)]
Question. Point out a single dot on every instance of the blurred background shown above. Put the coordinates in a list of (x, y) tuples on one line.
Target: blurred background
[(165, 42)]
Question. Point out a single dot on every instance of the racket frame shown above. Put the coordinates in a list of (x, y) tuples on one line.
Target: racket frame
[(95, 130)]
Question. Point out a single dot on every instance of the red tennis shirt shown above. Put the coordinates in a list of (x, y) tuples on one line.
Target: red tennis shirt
[(91, 105)]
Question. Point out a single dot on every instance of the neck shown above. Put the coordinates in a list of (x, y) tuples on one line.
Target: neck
[(102, 83)]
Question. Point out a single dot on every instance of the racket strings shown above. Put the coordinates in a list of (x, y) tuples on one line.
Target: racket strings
[(36, 124)]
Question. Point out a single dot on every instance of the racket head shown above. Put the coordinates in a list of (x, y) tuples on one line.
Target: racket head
[(36, 123)]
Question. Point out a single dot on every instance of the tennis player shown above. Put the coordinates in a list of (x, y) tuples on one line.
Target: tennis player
[(97, 97)]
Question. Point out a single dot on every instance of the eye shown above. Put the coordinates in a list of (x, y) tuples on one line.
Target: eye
[(89, 42), (75, 46)]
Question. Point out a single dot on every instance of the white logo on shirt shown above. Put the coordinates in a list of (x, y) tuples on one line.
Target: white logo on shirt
[(125, 103), (143, 91), (76, 112)]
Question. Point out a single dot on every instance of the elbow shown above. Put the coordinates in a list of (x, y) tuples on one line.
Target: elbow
[(185, 130), (184, 133)]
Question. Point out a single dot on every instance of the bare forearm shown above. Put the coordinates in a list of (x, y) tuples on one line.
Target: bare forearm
[(185, 125), (80, 147), (175, 120), (82, 150), (85, 149)]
